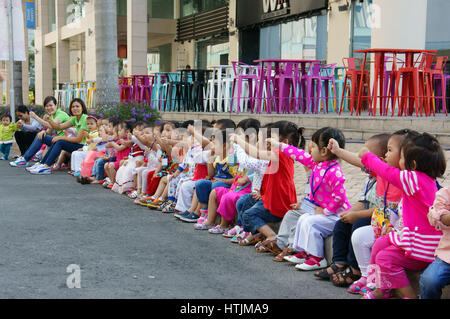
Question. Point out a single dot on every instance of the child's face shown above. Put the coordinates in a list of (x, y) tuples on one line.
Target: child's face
[(392, 156), (6, 121), (318, 154), (123, 132), (91, 125), (168, 130), (156, 132)]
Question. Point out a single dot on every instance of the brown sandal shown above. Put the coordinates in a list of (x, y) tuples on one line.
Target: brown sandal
[(285, 252), (271, 245), (261, 248), (340, 279)]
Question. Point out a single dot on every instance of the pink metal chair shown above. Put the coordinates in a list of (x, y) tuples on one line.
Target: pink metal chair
[(313, 81), (126, 89), (326, 77), (285, 83), (244, 74), (437, 74)]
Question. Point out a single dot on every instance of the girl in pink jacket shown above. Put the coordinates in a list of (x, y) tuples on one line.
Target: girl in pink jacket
[(422, 161)]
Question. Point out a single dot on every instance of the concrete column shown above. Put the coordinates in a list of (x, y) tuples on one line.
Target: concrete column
[(62, 46), (399, 24), (339, 26), (91, 67), (233, 33), (137, 37), (43, 57)]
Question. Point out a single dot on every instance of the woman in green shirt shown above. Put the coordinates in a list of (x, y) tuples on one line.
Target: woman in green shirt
[(78, 113), (43, 137)]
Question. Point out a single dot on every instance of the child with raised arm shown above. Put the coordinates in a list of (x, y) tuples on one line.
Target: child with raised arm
[(326, 202), (413, 247)]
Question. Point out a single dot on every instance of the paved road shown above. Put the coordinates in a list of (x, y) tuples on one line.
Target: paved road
[(124, 251)]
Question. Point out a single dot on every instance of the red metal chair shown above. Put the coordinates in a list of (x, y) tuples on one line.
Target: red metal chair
[(416, 86), (353, 73), (126, 89)]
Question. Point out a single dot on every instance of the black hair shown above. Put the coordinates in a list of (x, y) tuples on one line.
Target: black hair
[(322, 138), (423, 153), (187, 123), (22, 109), (382, 140), (49, 99), (81, 102), (8, 116), (291, 132), (250, 123), (225, 123), (128, 125), (171, 123)]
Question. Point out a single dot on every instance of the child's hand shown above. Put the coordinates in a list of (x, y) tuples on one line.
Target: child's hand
[(333, 146), (386, 230), (274, 144), (318, 211), (46, 117), (191, 129), (256, 195), (295, 206), (19, 124), (233, 138), (363, 151), (242, 181), (349, 217)]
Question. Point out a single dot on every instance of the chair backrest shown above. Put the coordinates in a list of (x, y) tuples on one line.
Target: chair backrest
[(352, 64), (327, 70), (314, 68), (440, 63), (426, 61)]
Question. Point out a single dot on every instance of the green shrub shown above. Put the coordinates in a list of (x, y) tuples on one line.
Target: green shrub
[(132, 111)]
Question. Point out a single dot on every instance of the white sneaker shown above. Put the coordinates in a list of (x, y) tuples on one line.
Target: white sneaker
[(312, 265), (20, 162), (42, 171), (295, 260), (32, 168), (36, 168)]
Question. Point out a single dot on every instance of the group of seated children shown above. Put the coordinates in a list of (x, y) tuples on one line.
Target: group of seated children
[(238, 181)]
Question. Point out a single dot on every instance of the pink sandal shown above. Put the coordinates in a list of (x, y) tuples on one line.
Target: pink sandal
[(357, 286), (370, 295)]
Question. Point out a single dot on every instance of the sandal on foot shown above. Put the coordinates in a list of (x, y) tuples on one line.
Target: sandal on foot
[(285, 252), (356, 287), (370, 295), (261, 247), (271, 246), (253, 241), (345, 278), (323, 274)]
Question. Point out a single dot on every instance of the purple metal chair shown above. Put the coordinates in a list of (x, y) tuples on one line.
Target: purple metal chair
[(285, 84), (313, 81), (326, 77), (244, 74)]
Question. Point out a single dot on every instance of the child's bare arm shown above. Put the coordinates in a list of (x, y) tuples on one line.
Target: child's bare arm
[(347, 156)]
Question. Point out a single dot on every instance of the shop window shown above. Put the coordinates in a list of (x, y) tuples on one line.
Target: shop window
[(190, 7), (122, 8), (361, 26), (51, 16), (159, 59), (212, 52), (75, 10), (160, 9)]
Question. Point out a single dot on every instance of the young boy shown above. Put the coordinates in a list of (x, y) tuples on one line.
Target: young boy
[(7, 136)]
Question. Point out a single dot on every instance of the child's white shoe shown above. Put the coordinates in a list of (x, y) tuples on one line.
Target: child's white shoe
[(312, 264)]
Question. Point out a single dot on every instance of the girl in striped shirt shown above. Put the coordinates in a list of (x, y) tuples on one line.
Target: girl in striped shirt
[(421, 162)]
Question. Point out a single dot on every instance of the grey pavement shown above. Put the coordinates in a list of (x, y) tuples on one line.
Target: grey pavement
[(125, 251)]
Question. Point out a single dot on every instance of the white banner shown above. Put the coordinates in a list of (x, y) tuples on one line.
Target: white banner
[(18, 30)]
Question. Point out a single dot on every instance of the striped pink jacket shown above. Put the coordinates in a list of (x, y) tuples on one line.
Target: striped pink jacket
[(418, 238)]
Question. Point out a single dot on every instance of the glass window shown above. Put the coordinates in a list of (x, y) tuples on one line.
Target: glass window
[(190, 7), (75, 10), (213, 52), (362, 26), (51, 16), (304, 39), (159, 59), (122, 8), (269, 42), (160, 9)]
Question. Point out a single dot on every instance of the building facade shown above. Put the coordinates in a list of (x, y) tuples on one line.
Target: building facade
[(167, 35)]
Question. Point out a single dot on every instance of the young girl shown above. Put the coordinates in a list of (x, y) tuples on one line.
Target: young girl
[(326, 202), (345, 266), (221, 173), (93, 138), (385, 213), (278, 191), (122, 147), (437, 275), (223, 200), (7, 136), (29, 127), (421, 162), (124, 179)]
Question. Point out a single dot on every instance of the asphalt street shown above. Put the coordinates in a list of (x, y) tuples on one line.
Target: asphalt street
[(51, 226)]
